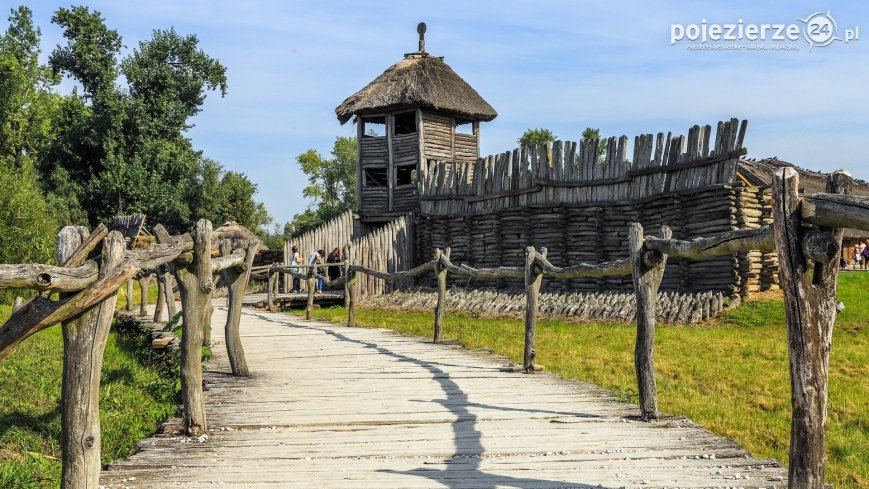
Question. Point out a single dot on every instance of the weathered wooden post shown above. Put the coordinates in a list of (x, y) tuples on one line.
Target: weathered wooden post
[(647, 270), (159, 307), (206, 323), (170, 294), (143, 290), (441, 274), (533, 280), (270, 287), (236, 280), (810, 308), (311, 282), (346, 252), (129, 305), (350, 290), (195, 284), (84, 340)]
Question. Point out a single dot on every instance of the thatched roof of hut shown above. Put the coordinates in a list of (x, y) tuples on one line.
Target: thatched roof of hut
[(419, 80), (239, 235)]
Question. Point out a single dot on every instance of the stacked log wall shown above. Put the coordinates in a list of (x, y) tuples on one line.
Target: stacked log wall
[(578, 198)]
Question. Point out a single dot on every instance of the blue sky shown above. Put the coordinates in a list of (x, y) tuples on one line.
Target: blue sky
[(557, 65)]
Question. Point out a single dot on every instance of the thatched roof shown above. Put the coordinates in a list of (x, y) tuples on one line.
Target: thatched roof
[(419, 80), (235, 232), (759, 173)]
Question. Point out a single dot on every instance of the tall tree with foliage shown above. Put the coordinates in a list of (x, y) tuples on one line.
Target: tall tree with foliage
[(123, 149), (27, 106), (331, 184), (534, 137)]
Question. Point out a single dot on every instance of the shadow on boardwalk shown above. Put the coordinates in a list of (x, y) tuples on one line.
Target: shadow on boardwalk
[(468, 439)]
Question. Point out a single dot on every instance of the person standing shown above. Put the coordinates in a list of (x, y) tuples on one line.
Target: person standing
[(334, 270), (864, 253), (313, 268), (295, 261)]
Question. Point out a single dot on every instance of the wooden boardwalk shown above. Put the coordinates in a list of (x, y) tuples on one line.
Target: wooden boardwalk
[(333, 407)]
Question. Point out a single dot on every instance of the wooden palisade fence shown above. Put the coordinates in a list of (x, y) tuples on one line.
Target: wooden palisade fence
[(93, 265), (806, 234)]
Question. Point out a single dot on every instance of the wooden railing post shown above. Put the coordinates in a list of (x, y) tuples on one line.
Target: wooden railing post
[(270, 287), (441, 274), (129, 305), (143, 291), (647, 270), (168, 283), (237, 280), (349, 288), (810, 308), (84, 340), (533, 280), (159, 307), (311, 282), (195, 283), (346, 252)]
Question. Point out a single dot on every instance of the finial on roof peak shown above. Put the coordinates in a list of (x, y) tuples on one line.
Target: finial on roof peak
[(420, 28)]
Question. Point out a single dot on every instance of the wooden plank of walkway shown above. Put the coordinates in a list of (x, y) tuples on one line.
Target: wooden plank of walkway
[(330, 406)]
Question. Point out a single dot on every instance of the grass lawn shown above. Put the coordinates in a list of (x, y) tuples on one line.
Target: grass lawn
[(730, 375), (134, 399)]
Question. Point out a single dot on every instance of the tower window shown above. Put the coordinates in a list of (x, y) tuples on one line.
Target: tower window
[(375, 177), (464, 127), (373, 126), (405, 175), (405, 123)]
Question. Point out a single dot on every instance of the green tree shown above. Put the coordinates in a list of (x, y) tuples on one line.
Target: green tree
[(534, 137), (331, 184), (123, 149), (27, 104)]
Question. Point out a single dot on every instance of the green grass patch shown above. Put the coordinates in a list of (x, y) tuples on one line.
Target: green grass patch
[(137, 393), (730, 375)]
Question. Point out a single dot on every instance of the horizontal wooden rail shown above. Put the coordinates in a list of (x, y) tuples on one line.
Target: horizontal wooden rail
[(732, 242), (615, 268), (836, 211), (47, 277)]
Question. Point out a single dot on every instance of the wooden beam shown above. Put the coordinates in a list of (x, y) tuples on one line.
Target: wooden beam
[(441, 274), (762, 239), (839, 211), (47, 278)]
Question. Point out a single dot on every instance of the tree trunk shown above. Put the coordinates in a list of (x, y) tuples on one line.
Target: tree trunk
[(84, 340), (810, 307)]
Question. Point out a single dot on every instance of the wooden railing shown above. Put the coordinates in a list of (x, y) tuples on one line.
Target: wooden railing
[(93, 265), (806, 234)]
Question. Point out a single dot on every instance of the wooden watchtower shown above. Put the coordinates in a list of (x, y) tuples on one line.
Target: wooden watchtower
[(417, 110)]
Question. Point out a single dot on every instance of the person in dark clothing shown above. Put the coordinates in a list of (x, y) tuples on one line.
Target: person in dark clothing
[(334, 257)]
